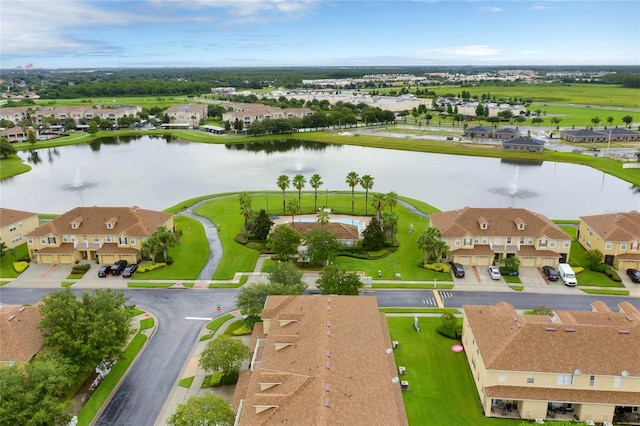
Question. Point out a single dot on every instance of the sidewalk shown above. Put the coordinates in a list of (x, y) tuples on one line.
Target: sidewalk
[(191, 368)]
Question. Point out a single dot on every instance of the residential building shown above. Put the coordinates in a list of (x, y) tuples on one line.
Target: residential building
[(506, 133), (189, 115), (523, 143), (478, 132), (616, 235), (77, 113), (17, 134), (21, 339), (482, 236), (346, 234), (248, 113), (604, 135), (15, 225), (320, 360), (576, 365), (103, 234)]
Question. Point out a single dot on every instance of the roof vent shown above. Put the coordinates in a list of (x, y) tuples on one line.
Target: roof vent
[(327, 403), (328, 353), (329, 300), (327, 387), (570, 330), (327, 364), (623, 331), (518, 324), (550, 329), (577, 372), (329, 308), (624, 373), (328, 333), (328, 323), (628, 318), (11, 317), (22, 309)]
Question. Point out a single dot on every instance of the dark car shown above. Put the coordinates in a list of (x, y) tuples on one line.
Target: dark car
[(550, 273), (118, 267), (129, 270), (104, 270), (457, 269), (634, 274)]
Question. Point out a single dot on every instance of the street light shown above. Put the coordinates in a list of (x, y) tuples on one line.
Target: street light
[(609, 143)]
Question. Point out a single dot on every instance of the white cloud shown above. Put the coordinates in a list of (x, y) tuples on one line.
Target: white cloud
[(491, 9), (247, 9), (540, 6), (473, 50)]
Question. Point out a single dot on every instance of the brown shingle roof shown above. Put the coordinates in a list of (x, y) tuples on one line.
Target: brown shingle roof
[(9, 216), (501, 222), (563, 395), (510, 342), (615, 226), (343, 231), (132, 221), (336, 372), (20, 338)]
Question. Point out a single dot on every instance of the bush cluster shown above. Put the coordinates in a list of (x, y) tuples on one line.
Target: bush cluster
[(80, 268), (601, 267), (613, 275), (454, 334), (242, 331), (443, 267), (20, 266), (145, 267), (577, 269)]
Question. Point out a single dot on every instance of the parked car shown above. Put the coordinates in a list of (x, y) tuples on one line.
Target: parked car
[(104, 271), (118, 267), (567, 275), (634, 274), (457, 269), (494, 273), (129, 270), (551, 273)]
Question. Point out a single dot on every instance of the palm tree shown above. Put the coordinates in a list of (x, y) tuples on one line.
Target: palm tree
[(245, 209), (323, 218), (441, 249), (353, 180), (298, 183), (390, 220), (315, 182), (293, 208), (366, 182), (379, 202), (392, 200), (283, 183), (428, 241)]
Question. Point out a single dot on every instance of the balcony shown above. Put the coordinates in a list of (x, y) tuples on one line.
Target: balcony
[(86, 245)]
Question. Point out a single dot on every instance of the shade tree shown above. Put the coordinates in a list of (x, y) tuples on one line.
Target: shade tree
[(225, 354), (201, 410), (334, 280)]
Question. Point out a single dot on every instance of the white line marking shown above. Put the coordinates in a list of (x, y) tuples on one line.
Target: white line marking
[(198, 318)]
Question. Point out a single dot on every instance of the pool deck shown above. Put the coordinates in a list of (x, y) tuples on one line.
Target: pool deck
[(313, 218)]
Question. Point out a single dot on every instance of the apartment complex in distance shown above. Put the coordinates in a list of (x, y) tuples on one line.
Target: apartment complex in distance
[(616, 235), (15, 225)]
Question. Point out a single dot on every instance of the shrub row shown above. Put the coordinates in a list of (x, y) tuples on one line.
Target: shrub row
[(602, 267), (613, 275), (150, 266), (20, 266), (243, 331), (454, 334), (80, 268), (443, 267)]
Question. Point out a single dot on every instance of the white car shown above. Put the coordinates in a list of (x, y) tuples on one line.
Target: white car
[(494, 273)]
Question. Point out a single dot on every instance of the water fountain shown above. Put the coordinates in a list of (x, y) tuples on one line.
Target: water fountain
[(514, 184), (514, 190), (78, 183)]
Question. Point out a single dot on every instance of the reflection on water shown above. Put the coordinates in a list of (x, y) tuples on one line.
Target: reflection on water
[(156, 172)]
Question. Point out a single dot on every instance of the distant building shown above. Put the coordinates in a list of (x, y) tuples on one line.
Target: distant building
[(523, 144), (604, 135), (15, 225), (248, 113), (189, 115), (506, 133), (320, 360), (478, 132), (77, 113)]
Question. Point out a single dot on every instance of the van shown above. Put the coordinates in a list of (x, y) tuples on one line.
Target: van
[(567, 275), (457, 269)]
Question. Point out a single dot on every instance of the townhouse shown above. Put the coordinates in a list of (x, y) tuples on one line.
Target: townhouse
[(248, 113), (15, 225), (616, 235), (576, 365), (101, 234), (320, 360), (482, 236), (187, 115)]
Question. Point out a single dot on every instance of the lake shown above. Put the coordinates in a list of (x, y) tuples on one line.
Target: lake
[(158, 172)]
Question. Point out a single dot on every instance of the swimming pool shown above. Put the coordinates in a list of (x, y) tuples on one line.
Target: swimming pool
[(361, 226)]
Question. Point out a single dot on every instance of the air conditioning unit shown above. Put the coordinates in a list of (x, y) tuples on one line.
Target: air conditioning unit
[(404, 385), (402, 370), (395, 344)]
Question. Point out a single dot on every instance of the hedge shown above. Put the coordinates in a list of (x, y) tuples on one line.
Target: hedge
[(449, 333), (613, 275), (443, 267), (20, 266), (150, 266), (80, 268)]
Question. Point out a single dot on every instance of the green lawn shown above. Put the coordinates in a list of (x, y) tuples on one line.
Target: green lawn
[(588, 277), (6, 261), (189, 257), (12, 166), (441, 387), (186, 382)]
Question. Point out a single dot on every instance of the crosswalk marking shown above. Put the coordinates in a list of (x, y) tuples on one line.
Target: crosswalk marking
[(445, 294), (431, 301)]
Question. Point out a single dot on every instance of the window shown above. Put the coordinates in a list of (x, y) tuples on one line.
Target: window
[(592, 380), (496, 240), (467, 242), (74, 225), (508, 240), (530, 241), (458, 241), (109, 225), (502, 377), (65, 238), (617, 381), (43, 240), (531, 377), (51, 240), (552, 243), (588, 243), (567, 244), (542, 243), (476, 240), (30, 240), (608, 245), (12, 227), (16, 239), (623, 246), (565, 379), (19, 223), (108, 238), (73, 238), (132, 240), (95, 239), (521, 240), (122, 240), (485, 240), (473, 362)]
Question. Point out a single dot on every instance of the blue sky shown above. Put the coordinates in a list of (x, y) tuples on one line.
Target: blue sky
[(229, 33)]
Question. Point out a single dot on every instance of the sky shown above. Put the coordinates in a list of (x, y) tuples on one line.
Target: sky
[(244, 33)]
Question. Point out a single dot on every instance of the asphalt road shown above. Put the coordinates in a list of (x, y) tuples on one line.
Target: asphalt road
[(142, 393)]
